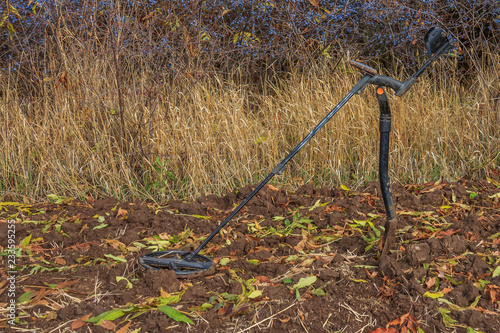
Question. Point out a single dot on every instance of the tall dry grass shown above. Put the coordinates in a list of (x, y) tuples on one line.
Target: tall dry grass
[(187, 136)]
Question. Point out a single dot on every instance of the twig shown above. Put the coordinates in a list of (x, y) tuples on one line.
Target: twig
[(268, 318), (63, 324), (326, 321), (301, 322)]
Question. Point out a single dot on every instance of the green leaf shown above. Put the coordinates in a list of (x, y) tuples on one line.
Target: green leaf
[(496, 272), (115, 258), (287, 280), (108, 315), (434, 295), (46, 228), (447, 320), (202, 217), (326, 54), (495, 196), (170, 299), (236, 37), (174, 314), (255, 294), (129, 284), (100, 226), (305, 282), (319, 292), (495, 236), (297, 295), (55, 198), (476, 300), (26, 241), (26, 297), (224, 261)]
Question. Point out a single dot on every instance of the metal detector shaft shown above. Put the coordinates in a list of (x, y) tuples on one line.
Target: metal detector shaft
[(358, 88)]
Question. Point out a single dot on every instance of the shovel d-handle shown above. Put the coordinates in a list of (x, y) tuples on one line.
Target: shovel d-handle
[(389, 237)]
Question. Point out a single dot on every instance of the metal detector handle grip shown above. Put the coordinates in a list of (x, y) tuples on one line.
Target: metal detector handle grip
[(443, 49), (379, 80), (387, 81)]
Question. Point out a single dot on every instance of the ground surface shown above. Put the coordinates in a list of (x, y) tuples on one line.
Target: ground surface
[(289, 262)]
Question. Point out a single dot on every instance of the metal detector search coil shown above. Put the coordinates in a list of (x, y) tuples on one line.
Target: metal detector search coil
[(176, 261)]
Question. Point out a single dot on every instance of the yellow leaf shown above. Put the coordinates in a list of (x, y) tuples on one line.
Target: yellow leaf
[(359, 280), (163, 293), (434, 295)]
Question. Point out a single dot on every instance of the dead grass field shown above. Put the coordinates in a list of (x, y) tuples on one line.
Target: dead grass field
[(188, 136)]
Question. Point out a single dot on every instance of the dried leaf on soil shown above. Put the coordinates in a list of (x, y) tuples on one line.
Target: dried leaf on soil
[(80, 322)]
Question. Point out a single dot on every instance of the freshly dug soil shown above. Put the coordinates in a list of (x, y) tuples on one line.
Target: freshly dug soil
[(289, 262)]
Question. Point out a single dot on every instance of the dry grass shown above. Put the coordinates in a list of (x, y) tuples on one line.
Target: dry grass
[(192, 136)]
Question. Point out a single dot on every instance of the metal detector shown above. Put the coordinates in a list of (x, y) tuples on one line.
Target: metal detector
[(192, 263)]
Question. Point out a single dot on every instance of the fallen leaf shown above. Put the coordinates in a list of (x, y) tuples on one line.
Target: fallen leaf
[(301, 315), (263, 279), (384, 330), (225, 309), (124, 329), (399, 321), (305, 282), (315, 3), (164, 294), (80, 246), (272, 188), (122, 214), (107, 324), (431, 282), (41, 293), (448, 232), (60, 261), (255, 294), (496, 272), (116, 244), (65, 284), (439, 294), (494, 292), (332, 208), (446, 290), (51, 315), (80, 322), (300, 245)]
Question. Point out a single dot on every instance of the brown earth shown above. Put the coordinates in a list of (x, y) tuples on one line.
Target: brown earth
[(289, 262)]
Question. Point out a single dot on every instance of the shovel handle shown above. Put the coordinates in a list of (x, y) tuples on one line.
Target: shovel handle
[(364, 68)]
